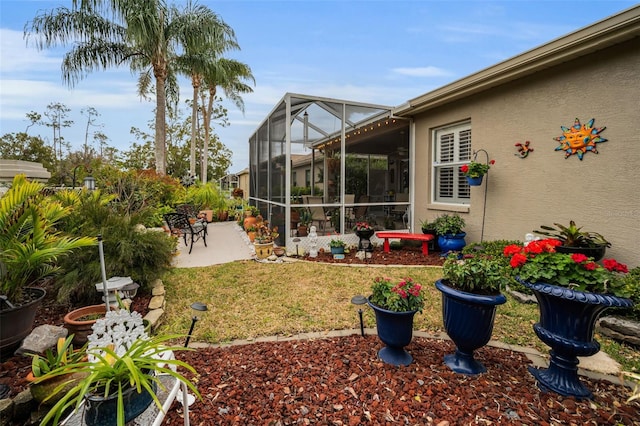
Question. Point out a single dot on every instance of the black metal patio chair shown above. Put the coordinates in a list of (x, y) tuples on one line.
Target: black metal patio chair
[(180, 226)]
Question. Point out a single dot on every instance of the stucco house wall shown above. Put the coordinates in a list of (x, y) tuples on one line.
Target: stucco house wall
[(601, 192)]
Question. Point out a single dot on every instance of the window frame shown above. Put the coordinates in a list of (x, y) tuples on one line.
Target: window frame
[(461, 154)]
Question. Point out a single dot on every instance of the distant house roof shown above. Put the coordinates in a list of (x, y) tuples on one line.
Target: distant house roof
[(607, 32)]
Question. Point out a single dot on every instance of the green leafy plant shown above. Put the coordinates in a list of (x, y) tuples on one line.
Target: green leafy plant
[(63, 355), (336, 242), (265, 233), (117, 361), (426, 225), (573, 236), (475, 169), (403, 296), (476, 273), (449, 224), (31, 245), (539, 262)]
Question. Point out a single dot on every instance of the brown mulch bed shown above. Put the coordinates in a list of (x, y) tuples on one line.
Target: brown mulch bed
[(341, 381)]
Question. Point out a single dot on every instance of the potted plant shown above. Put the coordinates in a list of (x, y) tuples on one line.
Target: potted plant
[(303, 225), (475, 171), (50, 390), (251, 233), (575, 240), (470, 290), (449, 229), (572, 292), (122, 372), (364, 231), (250, 216), (30, 246), (205, 197), (429, 228), (395, 303), (265, 237), (337, 246)]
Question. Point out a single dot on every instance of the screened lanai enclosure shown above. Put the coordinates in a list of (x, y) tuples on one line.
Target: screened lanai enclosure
[(330, 163)]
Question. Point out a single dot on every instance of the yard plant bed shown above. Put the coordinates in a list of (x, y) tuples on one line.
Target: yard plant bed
[(341, 381), (408, 255)]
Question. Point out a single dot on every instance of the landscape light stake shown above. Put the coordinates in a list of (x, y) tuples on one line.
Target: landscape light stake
[(359, 300), (196, 307)]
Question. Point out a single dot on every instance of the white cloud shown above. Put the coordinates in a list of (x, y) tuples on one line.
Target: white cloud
[(422, 72)]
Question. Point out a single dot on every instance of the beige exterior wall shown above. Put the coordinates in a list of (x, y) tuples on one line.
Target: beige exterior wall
[(243, 183), (601, 192)]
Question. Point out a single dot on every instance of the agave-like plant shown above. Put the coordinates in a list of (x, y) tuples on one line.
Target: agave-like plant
[(30, 244), (573, 236)]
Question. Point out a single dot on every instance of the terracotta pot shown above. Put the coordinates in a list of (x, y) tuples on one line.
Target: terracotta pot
[(82, 328), (249, 221), (208, 214), (251, 235)]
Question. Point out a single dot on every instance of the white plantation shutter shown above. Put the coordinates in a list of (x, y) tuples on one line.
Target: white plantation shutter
[(452, 149)]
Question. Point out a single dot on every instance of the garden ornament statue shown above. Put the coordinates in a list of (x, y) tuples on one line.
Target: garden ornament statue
[(313, 242)]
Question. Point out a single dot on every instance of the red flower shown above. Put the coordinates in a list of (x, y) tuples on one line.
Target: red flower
[(492, 162), (534, 247), (512, 249), (578, 257), (590, 266), (517, 260), (621, 267), (610, 264), (464, 168)]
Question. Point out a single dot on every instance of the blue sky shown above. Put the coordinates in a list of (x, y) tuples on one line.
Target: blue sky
[(381, 52)]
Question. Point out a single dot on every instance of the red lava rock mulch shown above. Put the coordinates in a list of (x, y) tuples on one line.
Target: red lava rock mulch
[(407, 256), (341, 381)]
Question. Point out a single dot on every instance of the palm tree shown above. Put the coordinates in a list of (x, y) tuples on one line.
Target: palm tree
[(230, 75), (142, 34), (200, 53)]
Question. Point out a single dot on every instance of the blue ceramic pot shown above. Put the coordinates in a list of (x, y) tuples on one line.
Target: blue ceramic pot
[(395, 330), (468, 320), (451, 242), (477, 181), (337, 250), (102, 411), (567, 322)]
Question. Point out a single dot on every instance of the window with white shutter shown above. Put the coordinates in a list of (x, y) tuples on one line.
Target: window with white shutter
[(452, 148)]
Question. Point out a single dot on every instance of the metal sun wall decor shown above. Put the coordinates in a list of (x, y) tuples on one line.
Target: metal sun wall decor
[(579, 139), (523, 149)]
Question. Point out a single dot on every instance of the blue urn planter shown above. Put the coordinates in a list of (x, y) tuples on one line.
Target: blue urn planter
[(451, 242), (567, 322), (395, 329), (468, 320)]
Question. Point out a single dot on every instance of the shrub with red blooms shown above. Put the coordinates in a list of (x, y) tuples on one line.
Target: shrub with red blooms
[(403, 296), (539, 262)]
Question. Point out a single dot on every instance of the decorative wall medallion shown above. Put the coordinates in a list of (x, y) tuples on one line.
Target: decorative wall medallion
[(523, 149), (579, 138)]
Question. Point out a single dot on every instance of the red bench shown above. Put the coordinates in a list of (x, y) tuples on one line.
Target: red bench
[(425, 238)]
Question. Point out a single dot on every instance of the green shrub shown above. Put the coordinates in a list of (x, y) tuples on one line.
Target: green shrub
[(128, 250), (632, 291)]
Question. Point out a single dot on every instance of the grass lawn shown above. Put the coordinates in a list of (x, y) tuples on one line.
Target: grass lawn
[(248, 299)]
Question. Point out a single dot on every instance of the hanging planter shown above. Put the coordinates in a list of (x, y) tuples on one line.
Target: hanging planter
[(474, 181)]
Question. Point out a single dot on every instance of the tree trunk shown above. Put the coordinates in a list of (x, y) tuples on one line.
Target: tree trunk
[(195, 81), (161, 102)]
